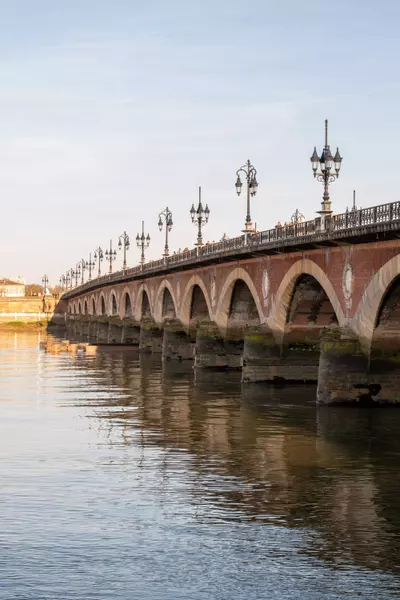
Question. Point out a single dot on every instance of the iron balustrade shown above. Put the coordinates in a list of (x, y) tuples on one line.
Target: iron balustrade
[(349, 222)]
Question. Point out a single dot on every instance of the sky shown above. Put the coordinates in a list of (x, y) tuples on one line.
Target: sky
[(111, 110)]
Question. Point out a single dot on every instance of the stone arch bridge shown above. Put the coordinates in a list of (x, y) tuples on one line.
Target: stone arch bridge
[(298, 303)]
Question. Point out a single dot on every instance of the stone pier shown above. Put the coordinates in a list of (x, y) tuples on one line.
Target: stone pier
[(267, 359), (177, 343), (102, 332), (151, 337), (130, 333), (115, 332), (213, 351), (343, 370)]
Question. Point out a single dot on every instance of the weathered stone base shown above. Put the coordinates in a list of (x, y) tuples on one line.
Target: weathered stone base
[(384, 368), (177, 344), (114, 334), (264, 360), (151, 337), (130, 334), (343, 370), (213, 352), (102, 333)]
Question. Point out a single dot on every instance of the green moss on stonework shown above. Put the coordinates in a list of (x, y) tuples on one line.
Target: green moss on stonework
[(302, 347)]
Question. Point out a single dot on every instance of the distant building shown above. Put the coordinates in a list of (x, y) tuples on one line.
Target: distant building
[(12, 289)]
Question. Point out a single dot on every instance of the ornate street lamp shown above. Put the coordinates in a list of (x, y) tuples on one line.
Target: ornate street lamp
[(45, 281), (90, 264), (110, 256), (199, 218), (82, 265), (297, 217), (143, 242), (326, 169), (123, 241), (63, 280), (165, 215), (68, 280), (98, 255), (77, 273), (250, 174)]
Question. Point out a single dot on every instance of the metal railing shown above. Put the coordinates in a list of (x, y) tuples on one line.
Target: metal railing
[(348, 223)]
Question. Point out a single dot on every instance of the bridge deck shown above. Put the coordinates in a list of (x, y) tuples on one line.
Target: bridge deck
[(352, 227)]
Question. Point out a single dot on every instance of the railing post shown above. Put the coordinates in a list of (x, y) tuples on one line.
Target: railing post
[(391, 211), (375, 213)]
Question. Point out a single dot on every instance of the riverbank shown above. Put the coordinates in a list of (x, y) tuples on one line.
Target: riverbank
[(26, 326)]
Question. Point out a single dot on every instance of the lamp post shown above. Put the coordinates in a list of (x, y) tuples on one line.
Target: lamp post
[(68, 280), (77, 273), (45, 281), (250, 174), (63, 282), (90, 264), (123, 241), (326, 169), (82, 265), (199, 218), (110, 256), (98, 255), (297, 217), (165, 215), (143, 242)]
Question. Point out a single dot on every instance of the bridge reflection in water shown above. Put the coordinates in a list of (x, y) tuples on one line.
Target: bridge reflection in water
[(258, 454)]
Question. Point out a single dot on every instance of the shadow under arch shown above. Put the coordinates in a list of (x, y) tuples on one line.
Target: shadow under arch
[(239, 288), (368, 312), (143, 307), (102, 305), (194, 285), (165, 306), (278, 317), (113, 303), (126, 309)]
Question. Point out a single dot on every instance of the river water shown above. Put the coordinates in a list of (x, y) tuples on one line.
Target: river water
[(124, 479)]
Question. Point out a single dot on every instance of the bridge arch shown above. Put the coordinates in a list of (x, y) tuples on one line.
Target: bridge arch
[(165, 306), (101, 307), (375, 295), (112, 304), (282, 302), (194, 285), (237, 277), (92, 305), (126, 304), (79, 307), (143, 306), (85, 307)]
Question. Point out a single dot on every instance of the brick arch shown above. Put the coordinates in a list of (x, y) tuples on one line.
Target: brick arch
[(85, 307), (281, 302), (126, 292), (184, 314), (99, 304), (80, 308), (158, 308), (113, 294), (368, 310), (92, 305), (224, 304), (139, 302)]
